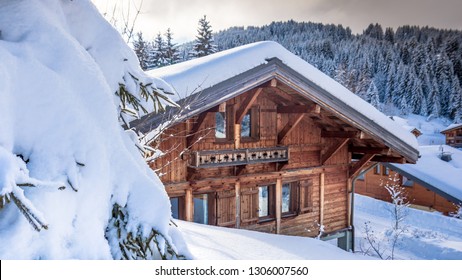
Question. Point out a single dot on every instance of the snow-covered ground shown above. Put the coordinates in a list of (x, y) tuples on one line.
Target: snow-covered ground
[(219, 243), (428, 235), (430, 128)]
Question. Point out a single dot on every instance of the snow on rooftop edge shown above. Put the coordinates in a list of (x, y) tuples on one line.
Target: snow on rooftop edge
[(446, 176), (201, 73), (452, 126)]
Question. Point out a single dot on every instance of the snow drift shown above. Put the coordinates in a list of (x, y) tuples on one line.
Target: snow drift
[(72, 182)]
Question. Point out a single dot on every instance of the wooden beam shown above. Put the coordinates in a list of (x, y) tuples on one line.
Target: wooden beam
[(237, 190), (294, 120), (321, 198), (288, 99), (278, 204), (246, 104), (237, 136), (354, 170), (333, 150), (388, 159), (349, 199), (189, 205), (298, 109), (194, 133), (339, 134), (274, 83), (369, 150)]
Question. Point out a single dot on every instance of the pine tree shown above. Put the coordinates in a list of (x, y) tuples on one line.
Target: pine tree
[(434, 105), (204, 44), (172, 55), (158, 54), (142, 50), (373, 95), (455, 100)]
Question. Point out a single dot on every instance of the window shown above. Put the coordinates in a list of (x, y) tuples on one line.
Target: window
[(361, 177), (250, 124), (224, 123), (407, 182), (220, 125), (246, 125), (177, 207), (386, 171), (203, 208), (306, 193), (377, 169), (289, 198), (266, 199)]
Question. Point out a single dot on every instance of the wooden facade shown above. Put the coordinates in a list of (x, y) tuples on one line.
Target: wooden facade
[(288, 172), (453, 136), (419, 195)]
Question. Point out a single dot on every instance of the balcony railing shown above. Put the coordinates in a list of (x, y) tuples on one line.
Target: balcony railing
[(204, 159)]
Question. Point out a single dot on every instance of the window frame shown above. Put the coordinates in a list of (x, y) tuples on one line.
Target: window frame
[(181, 206), (271, 203), (229, 113), (294, 199), (377, 169), (211, 207), (254, 131)]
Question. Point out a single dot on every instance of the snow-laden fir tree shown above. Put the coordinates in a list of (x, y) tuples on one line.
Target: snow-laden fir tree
[(172, 54), (159, 58), (204, 43), (372, 95), (143, 51)]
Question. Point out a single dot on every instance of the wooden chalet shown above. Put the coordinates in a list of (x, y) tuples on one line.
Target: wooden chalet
[(453, 135), (271, 146)]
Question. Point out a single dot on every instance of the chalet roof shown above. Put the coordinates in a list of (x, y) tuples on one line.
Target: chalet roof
[(213, 79), (441, 177), (452, 127)]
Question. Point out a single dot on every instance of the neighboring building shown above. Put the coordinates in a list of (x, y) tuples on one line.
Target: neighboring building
[(433, 183), (453, 135), (268, 143)]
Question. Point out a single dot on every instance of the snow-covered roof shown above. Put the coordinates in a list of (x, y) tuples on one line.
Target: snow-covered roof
[(444, 178), (200, 75), (451, 127)]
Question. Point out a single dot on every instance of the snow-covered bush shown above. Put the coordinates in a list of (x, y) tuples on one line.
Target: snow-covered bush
[(66, 80), (383, 244)]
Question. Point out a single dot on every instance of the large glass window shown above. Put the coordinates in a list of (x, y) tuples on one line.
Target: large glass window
[(175, 206), (289, 198), (266, 202), (201, 209), (246, 125), (263, 201), (220, 125)]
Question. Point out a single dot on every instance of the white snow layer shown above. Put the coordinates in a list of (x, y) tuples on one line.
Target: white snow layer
[(219, 243), (198, 74), (446, 176), (60, 64)]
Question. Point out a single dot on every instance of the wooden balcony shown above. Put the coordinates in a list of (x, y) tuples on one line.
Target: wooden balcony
[(207, 159)]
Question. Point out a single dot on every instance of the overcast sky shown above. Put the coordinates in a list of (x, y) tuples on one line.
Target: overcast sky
[(182, 15)]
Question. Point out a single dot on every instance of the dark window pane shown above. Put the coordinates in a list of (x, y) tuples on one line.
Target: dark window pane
[(246, 126), (286, 195), (220, 124), (201, 213), (174, 201), (263, 201)]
